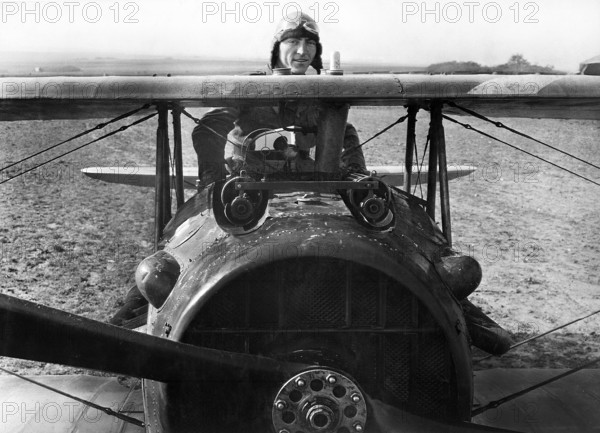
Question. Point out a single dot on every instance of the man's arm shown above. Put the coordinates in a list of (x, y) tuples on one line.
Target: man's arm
[(352, 155), (209, 138)]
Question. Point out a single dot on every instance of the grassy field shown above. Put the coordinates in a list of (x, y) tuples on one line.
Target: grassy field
[(73, 243)]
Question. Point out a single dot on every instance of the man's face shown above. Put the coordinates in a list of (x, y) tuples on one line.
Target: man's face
[(297, 54)]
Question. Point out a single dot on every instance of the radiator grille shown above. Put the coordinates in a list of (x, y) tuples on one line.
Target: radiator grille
[(375, 329)]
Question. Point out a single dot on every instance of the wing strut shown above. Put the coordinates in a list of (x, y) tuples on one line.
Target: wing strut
[(438, 135), (432, 175), (410, 146), (178, 156), (437, 158), (330, 137), (162, 194)]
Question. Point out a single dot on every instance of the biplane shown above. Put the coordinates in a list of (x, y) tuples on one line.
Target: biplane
[(287, 300)]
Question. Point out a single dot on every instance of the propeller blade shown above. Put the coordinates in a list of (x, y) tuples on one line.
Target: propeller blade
[(39, 333), (384, 418)]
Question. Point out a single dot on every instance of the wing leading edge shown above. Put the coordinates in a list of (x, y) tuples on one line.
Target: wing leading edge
[(539, 96)]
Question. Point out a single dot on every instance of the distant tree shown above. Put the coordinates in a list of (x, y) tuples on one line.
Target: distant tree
[(455, 67), (517, 64)]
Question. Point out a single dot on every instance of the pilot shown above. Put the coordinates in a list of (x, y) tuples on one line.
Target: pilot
[(295, 46)]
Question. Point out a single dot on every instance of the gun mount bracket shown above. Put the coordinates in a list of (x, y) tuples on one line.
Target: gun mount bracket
[(372, 207), (240, 211), (313, 186)]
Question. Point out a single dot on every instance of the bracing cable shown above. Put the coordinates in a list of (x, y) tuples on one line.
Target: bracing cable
[(81, 134), (122, 128), (514, 131), (106, 410), (467, 126)]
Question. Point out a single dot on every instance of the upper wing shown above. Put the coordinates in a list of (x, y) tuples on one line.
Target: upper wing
[(538, 96)]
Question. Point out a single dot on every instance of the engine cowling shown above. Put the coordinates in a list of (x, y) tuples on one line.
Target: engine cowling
[(325, 292)]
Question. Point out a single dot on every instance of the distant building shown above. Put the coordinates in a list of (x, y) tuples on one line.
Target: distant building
[(590, 66)]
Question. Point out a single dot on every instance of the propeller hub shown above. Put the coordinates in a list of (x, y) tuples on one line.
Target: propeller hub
[(320, 417), (319, 401)]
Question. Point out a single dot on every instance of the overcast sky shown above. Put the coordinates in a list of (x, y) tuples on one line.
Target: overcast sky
[(546, 32)]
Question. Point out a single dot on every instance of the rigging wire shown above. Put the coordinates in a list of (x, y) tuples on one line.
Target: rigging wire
[(494, 404), (122, 128), (81, 134), (514, 131), (106, 410), (416, 150), (173, 176), (420, 169), (391, 125), (528, 340), (467, 126)]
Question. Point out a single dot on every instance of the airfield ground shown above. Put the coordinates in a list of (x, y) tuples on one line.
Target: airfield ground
[(73, 243)]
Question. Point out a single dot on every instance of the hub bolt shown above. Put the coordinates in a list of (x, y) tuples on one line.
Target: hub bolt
[(331, 379), (280, 404), (300, 383), (358, 427), (283, 431), (355, 398)]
